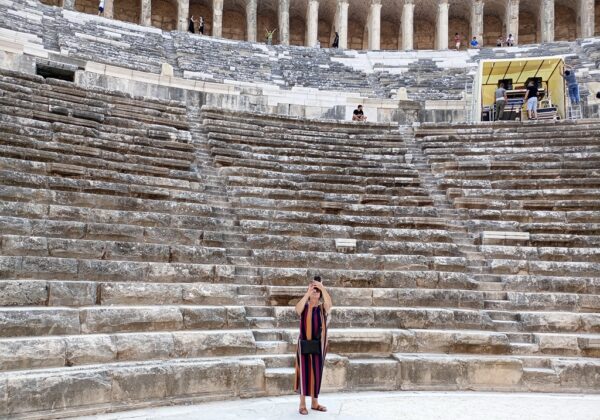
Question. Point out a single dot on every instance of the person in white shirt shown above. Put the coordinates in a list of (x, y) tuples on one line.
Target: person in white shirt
[(101, 8)]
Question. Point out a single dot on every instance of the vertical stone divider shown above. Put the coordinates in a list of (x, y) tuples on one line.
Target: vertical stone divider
[(408, 10), (547, 20), (442, 25), (375, 25), (251, 6), (477, 21), (512, 19), (284, 22), (312, 23), (217, 26)]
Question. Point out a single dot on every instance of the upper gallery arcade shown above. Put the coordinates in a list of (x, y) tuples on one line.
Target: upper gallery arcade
[(365, 24)]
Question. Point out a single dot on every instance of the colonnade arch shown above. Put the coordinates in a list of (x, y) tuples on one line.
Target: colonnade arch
[(365, 24)]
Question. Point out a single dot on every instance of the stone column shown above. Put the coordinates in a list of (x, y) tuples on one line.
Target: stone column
[(407, 25), (109, 8), (547, 20), (284, 22), (146, 15), (512, 19), (375, 25), (341, 22), (476, 21), (183, 11), (312, 23), (69, 4), (251, 20), (585, 17), (217, 25), (441, 40)]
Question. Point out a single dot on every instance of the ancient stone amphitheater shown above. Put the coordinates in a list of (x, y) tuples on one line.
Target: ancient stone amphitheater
[(165, 197)]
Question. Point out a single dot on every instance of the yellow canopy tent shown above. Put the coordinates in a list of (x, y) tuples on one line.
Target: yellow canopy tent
[(520, 70)]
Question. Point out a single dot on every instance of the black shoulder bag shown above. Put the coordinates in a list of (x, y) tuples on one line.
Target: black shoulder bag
[(311, 346)]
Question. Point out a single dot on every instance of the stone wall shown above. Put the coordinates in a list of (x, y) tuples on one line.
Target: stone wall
[(201, 10), (390, 36), (325, 34), (87, 6), (164, 14), (527, 28), (424, 34), (460, 25), (597, 18), (355, 35), (234, 25), (565, 25), (266, 21), (58, 3), (127, 10), (492, 28), (297, 31)]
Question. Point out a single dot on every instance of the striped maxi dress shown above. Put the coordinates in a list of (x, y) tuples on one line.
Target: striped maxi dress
[(309, 367)]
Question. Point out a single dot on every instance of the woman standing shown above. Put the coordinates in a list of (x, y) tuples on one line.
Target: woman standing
[(312, 344)]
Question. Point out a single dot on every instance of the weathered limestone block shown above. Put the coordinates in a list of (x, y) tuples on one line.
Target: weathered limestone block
[(209, 294), (24, 245), (494, 374), (3, 398), (557, 344), (202, 318), (335, 374), (360, 341), (138, 383), (550, 321), (136, 252), (287, 316), (385, 297), (590, 346), (29, 353), (140, 293), (352, 296), (39, 391), (404, 341), (249, 378), (236, 317), (480, 342), (81, 350), (38, 321), (590, 322), (49, 268), (441, 372), (23, 293), (144, 346), (575, 375), (72, 293), (112, 270), (352, 317), (69, 248), (184, 273), (119, 319), (373, 374), (213, 343)]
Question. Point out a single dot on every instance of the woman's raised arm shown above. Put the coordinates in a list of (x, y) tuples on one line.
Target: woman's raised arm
[(302, 302)]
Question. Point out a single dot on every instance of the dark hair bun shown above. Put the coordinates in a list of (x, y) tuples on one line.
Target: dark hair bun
[(317, 278)]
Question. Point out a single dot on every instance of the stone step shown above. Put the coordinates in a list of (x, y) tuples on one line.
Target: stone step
[(272, 347), (520, 337), (502, 315), (507, 326), (261, 321), (497, 304)]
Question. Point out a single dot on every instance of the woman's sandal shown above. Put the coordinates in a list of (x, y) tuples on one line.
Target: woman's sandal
[(319, 407), (303, 411)]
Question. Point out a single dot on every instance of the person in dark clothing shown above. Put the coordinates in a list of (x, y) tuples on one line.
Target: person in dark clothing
[(572, 86), (191, 25), (531, 100), (358, 114), (336, 41)]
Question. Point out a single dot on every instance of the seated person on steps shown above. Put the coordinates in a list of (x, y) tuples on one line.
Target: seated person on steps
[(358, 114)]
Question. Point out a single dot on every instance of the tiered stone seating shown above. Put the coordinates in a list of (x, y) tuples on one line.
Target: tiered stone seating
[(299, 187), (539, 180), (145, 260)]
